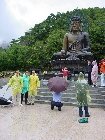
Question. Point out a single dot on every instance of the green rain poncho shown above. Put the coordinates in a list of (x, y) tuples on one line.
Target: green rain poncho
[(82, 89), (25, 88)]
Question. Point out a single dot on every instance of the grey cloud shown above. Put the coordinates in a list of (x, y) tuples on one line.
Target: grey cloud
[(9, 27)]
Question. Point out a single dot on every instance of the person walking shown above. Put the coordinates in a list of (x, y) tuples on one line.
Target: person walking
[(89, 68), (34, 83), (25, 87), (94, 73), (16, 83), (102, 71), (83, 97)]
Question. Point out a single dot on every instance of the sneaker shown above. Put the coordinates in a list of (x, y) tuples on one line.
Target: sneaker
[(52, 107), (28, 103), (61, 104), (20, 105), (59, 108), (87, 115), (80, 115)]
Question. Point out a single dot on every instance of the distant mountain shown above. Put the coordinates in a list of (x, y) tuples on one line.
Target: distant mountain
[(4, 45)]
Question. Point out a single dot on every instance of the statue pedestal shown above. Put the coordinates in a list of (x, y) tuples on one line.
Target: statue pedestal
[(74, 61)]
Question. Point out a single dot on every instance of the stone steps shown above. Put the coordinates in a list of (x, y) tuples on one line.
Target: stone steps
[(68, 95), (68, 99), (97, 94), (71, 103), (72, 88)]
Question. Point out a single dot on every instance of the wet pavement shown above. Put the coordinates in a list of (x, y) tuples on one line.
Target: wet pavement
[(38, 122)]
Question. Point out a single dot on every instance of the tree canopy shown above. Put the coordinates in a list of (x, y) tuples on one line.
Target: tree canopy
[(37, 46)]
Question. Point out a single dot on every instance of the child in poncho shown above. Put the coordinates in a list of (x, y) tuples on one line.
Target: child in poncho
[(83, 96)]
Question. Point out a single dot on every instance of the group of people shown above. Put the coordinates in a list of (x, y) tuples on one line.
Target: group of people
[(25, 85), (82, 87)]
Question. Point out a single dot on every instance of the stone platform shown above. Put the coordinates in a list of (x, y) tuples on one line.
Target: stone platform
[(97, 94)]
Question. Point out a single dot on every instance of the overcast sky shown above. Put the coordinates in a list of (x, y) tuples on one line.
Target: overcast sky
[(18, 16)]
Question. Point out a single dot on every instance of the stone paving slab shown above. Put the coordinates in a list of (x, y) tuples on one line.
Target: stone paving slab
[(38, 122)]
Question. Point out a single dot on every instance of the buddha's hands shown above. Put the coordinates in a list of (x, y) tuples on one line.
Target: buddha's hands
[(63, 52)]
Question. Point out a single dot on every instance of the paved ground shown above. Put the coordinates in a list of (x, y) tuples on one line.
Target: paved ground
[(38, 122)]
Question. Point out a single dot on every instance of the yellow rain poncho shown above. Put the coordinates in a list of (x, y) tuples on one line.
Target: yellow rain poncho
[(16, 83), (34, 83)]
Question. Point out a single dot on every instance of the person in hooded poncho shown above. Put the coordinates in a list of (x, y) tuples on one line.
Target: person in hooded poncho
[(94, 73), (83, 97), (16, 83), (25, 87), (34, 83)]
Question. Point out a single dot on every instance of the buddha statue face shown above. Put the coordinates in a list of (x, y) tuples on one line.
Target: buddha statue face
[(75, 24)]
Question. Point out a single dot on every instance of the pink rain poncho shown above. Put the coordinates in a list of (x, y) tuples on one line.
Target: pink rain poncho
[(94, 73)]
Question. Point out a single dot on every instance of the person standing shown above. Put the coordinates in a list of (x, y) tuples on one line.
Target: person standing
[(34, 83), (102, 71), (65, 73), (89, 68), (25, 87), (83, 97), (16, 83), (94, 73)]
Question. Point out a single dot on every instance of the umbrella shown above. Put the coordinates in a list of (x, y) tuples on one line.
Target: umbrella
[(57, 84), (5, 96)]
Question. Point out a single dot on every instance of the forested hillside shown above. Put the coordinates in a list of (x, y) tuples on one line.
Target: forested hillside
[(36, 48)]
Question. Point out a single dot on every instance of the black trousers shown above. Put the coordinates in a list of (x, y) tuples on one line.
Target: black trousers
[(89, 78), (26, 97), (57, 104), (81, 111)]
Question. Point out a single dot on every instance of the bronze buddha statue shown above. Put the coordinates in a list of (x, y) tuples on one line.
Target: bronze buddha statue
[(76, 41)]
